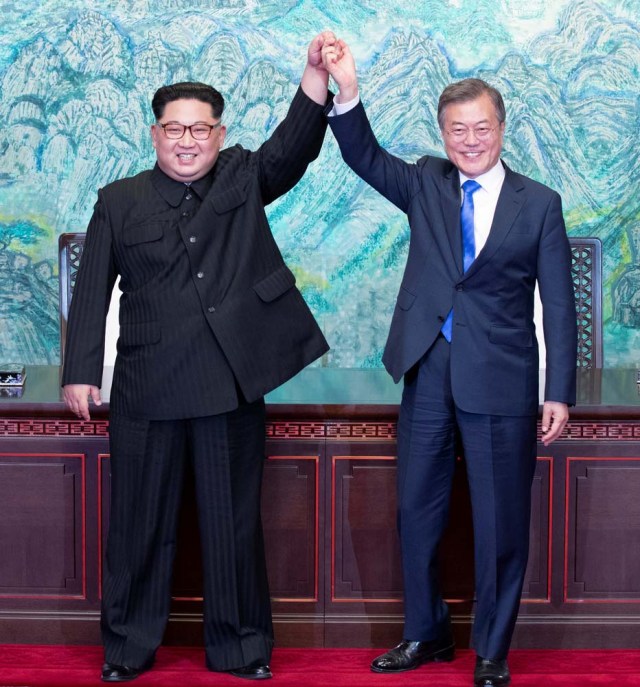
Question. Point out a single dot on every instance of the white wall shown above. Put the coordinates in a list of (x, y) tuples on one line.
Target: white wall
[(112, 328)]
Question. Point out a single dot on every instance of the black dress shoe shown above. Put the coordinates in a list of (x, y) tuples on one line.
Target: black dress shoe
[(115, 673), (489, 673), (254, 671), (409, 655)]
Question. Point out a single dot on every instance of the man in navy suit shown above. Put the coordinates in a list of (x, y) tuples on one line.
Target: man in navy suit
[(463, 338), (210, 321)]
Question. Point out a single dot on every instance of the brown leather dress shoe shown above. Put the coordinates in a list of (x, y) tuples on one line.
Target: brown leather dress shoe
[(254, 671), (409, 655), (490, 673)]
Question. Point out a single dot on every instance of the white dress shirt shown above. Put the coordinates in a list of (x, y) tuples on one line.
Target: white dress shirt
[(485, 200)]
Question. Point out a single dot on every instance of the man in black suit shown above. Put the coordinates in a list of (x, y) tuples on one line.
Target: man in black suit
[(210, 321), (463, 338)]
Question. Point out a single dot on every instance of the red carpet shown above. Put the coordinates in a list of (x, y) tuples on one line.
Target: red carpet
[(72, 666)]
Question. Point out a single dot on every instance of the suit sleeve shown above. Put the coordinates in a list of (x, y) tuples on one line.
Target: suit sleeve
[(84, 348), (558, 307), (395, 179), (284, 157)]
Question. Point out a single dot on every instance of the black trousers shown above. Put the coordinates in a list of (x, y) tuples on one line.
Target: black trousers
[(500, 456), (147, 469)]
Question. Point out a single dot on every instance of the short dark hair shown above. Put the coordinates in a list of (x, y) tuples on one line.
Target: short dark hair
[(466, 90), (187, 90)]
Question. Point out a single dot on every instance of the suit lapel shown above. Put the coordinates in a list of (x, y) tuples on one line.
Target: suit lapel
[(510, 202), (451, 214)]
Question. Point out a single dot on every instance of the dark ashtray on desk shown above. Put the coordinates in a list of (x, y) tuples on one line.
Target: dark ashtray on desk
[(12, 375)]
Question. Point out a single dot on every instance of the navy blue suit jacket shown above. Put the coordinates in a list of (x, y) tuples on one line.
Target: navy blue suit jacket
[(494, 351)]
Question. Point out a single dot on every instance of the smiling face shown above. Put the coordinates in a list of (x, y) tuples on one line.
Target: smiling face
[(471, 155), (186, 159)]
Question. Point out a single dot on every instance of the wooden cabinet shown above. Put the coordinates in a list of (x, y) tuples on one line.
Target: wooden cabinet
[(329, 517)]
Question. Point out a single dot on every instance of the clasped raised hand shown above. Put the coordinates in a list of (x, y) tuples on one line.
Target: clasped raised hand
[(338, 61)]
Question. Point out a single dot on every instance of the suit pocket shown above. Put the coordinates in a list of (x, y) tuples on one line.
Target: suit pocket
[(143, 233), (275, 284), (139, 334), (405, 299), (511, 336), (232, 197)]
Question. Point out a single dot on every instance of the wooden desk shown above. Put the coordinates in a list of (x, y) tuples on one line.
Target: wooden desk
[(329, 517)]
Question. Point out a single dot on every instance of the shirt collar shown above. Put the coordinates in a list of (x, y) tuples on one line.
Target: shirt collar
[(173, 191), (490, 181), (201, 186)]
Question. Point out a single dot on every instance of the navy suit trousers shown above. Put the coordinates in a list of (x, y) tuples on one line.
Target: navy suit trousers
[(500, 456)]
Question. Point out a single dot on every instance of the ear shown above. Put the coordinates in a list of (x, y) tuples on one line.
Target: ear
[(222, 135), (154, 134)]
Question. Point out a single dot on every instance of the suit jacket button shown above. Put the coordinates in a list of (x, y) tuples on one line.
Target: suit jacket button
[(459, 287), (200, 275), (192, 239), (211, 309)]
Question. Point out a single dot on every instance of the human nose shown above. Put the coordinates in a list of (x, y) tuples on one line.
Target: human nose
[(187, 139), (475, 138)]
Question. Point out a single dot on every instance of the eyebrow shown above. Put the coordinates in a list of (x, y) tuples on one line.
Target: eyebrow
[(175, 121), (480, 121)]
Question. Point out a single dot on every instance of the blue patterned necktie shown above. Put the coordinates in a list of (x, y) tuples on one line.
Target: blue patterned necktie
[(468, 241)]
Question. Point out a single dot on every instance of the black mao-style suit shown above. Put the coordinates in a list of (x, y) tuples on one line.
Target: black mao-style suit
[(484, 384), (210, 320)]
